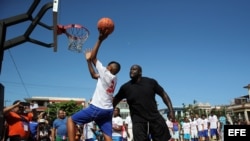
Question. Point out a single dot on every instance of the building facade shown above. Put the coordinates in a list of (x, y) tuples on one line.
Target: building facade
[(43, 102)]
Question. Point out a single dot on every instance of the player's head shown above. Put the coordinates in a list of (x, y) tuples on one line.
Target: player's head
[(135, 72), (212, 113), (114, 67), (203, 116)]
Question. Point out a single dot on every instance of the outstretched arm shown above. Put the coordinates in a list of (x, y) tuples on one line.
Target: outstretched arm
[(102, 36), (8, 109), (93, 74), (166, 99)]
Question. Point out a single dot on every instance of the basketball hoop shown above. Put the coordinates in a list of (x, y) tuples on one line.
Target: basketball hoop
[(76, 34)]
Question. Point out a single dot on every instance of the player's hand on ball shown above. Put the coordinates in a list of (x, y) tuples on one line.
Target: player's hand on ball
[(103, 34)]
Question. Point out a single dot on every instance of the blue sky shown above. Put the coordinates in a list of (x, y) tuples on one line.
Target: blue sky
[(196, 49)]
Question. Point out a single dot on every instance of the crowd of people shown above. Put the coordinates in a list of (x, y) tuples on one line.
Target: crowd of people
[(199, 127), (23, 126)]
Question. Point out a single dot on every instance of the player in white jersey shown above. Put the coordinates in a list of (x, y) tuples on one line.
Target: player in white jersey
[(100, 109), (200, 126), (194, 130), (213, 125), (205, 128)]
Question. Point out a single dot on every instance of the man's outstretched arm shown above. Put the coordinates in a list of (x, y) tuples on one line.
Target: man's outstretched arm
[(102, 36), (93, 74)]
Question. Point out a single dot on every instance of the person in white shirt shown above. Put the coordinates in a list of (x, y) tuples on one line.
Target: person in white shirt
[(117, 124), (213, 125), (186, 129), (101, 107), (205, 128), (200, 126), (88, 131), (194, 130), (170, 125), (128, 127)]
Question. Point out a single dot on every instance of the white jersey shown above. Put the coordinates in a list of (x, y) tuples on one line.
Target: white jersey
[(193, 125), (213, 120), (117, 121), (186, 127), (199, 124), (194, 131), (205, 122), (105, 88)]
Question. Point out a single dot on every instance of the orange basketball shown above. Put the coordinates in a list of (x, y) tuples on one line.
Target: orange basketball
[(106, 24)]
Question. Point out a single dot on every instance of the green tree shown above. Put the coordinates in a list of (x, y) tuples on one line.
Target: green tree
[(69, 107)]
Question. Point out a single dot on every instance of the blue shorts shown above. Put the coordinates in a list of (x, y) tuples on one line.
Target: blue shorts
[(205, 133), (200, 134), (102, 117), (213, 132)]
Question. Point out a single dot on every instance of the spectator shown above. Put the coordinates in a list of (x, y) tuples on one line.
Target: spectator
[(176, 129), (200, 126), (18, 121), (117, 124), (186, 129), (170, 125), (59, 129), (222, 122), (205, 128), (42, 131), (213, 125), (33, 128), (194, 129), (89, 130)]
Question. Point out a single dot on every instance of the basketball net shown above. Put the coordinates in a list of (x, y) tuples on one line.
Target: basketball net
[(76, 34)]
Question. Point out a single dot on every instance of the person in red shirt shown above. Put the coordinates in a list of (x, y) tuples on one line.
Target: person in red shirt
[(18, 121)]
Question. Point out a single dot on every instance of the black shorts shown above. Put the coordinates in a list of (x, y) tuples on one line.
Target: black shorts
[(156, 130)]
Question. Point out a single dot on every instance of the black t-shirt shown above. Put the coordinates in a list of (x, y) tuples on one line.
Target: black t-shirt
[(141, 99)]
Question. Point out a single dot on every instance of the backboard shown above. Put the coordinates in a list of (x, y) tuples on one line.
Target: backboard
[(35, 20)]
